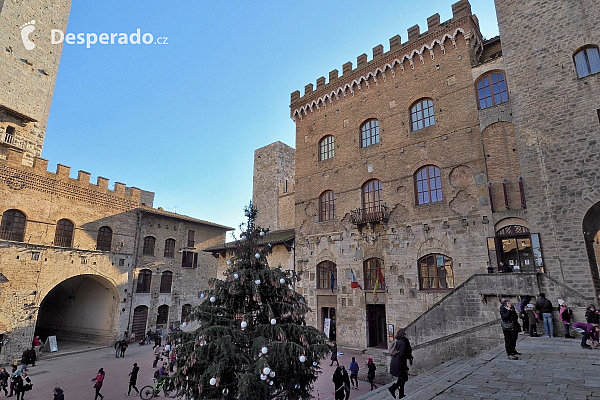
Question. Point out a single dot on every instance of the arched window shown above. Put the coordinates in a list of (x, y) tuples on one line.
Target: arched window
[(327, 206), (186, 310), (143, 282), (587, 61), (149, 242), (371, 197), (170, 248), (166, 280), (373, 270), (12, 226), (104, 239), (163, 315), (428, 185), (435, 272), (64, 233), (422, 114), (325, 270), (326, 148), (491, 89), (369, 133)]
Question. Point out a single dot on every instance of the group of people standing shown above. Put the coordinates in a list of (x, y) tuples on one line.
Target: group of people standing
[(543, 309), (18, 381)]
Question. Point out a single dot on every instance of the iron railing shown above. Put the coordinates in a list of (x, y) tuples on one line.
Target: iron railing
[(7, 234), (378, 213), (63, 241)]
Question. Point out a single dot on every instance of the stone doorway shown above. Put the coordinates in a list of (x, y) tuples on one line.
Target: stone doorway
[(80, 309), (591, 234), (376, 325), (140, 320), (517, 247)]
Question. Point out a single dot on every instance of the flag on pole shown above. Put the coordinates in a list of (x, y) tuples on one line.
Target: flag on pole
[(332, 281), (379, 280), (354, 283)]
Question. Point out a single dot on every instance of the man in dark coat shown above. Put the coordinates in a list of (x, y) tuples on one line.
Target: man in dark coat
[(401, 352), (29, 357), (510, 328), (133, 375), (58, 394), (545, 307), (346, 382), (338, 384)]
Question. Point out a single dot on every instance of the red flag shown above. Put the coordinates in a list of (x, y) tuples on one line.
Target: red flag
[(354, 284)]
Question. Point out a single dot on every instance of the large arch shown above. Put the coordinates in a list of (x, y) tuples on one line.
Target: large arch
[(591, 232), (82, 308)]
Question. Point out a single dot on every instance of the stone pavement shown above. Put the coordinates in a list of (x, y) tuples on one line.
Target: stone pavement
[(549, 368)]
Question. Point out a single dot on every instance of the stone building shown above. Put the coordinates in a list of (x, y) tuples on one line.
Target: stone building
[(79, 260)]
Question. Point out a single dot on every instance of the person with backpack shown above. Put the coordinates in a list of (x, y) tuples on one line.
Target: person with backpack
[(545, 308), (354, 373)]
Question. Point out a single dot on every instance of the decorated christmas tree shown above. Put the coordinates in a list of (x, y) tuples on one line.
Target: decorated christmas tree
[(252, 341)]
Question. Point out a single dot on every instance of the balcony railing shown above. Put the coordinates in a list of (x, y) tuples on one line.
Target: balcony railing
[(11, 140), (11, 235), (63, 241), (378, 213)]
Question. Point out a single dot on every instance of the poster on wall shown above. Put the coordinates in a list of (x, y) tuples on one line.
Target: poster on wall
[(391, 332), (327, 327)]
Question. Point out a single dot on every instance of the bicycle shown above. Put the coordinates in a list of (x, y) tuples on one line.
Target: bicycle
[(151, 391)]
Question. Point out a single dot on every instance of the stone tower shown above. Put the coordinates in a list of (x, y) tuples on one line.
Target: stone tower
[(28, 69), (556, 114), (273, 186)]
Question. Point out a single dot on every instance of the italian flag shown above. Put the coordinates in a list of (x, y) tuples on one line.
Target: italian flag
[(354, 284)]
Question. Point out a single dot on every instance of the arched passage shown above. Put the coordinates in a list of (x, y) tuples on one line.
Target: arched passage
[(591, 234), (81, 308)]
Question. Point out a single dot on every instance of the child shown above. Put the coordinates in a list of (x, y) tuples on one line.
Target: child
[(533, 318), (565, 316)]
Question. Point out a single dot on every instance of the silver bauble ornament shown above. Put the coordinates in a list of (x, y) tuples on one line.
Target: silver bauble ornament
[(213, 381), (213, 299), (302, 358)]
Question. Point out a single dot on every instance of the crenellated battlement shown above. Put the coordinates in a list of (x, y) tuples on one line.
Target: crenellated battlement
[(352, 78), (37, 177)]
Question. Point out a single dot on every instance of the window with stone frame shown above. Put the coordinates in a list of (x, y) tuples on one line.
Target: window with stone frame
[(587, 61), (191, 238), (436, 272), (186, 310), (369, 133), (422, 114), (326, 148), (166, 281), (9, 136), (149, 242), (189, 259), (12, 226), (143, 282), (370, 270), (170, 248), (491, 89), (324, 271), (63, 236), (163, 315), (104, 238), (428, 185), (327, 206)]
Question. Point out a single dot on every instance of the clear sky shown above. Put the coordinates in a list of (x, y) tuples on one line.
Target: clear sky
[(183, 119)]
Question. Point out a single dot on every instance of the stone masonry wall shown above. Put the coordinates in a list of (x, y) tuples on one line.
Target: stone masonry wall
[(556, 125)]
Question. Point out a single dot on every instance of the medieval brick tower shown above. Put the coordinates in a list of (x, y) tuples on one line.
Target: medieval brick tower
[(551, 58), (29, 65)]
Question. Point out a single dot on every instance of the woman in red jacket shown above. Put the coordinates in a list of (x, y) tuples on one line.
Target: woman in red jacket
[(98, 379)]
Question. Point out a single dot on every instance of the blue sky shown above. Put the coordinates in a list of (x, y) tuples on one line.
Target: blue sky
[(183, 119)]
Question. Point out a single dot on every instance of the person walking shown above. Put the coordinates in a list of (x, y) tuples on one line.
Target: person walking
[(99, 380), (334, 356), (123, 348), (354, 373), (401, 352), (338, 384), (133, 379), (118, 348), (157, 352), (4, 377), (545, 307), (22, 385), (58, 394), (510, 328), (566, 315), (346, 380), (371, 368), (13, 376)]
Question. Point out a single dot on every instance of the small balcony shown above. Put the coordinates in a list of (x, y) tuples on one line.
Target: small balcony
[(7, 234), (369, 215)]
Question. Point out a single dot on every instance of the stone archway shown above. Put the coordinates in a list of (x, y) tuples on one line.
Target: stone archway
[(81, 308), (591, 234)]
